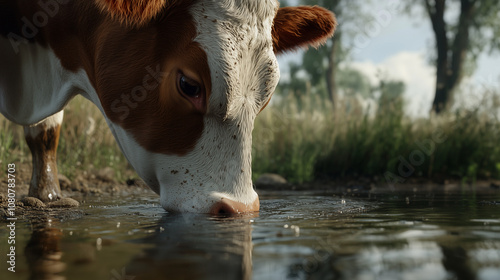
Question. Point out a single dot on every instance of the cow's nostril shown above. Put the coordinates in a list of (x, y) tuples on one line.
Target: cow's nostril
[(222, 211), (222, 207)]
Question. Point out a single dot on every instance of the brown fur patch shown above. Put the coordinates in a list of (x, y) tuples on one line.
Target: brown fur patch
[(134, 12), (297, 27), (165, 122), (118, 58)]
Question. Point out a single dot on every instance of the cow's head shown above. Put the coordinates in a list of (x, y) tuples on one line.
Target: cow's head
[(208, 68)]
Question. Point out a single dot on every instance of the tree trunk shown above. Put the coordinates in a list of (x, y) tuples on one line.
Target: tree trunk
[(460, 47), (436, 13), (449, 62), (332, 69)]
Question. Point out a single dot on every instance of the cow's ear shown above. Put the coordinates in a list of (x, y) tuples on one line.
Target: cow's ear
[(298, 27), (133, 12)]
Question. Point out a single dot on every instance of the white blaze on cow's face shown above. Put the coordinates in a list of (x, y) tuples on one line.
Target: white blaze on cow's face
[(237, 39)]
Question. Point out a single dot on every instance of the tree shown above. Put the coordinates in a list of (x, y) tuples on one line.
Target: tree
[(476, 28), (322, 65), (351, 82), (332, 51)]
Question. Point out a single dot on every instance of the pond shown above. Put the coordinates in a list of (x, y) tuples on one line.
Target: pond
[(297, 235)]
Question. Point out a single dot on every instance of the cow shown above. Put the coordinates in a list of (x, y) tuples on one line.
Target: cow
[(179, 82)]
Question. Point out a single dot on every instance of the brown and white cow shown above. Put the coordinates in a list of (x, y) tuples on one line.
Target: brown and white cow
[(179, 82)]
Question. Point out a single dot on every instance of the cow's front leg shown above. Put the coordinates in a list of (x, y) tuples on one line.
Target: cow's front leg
[(42, 139)]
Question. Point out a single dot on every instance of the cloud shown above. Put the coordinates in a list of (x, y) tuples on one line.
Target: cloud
[(410, 68)]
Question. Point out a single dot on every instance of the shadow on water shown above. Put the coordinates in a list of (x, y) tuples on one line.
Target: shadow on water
[(297, 235)]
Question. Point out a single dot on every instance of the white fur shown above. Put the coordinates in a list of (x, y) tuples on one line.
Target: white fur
[(50, 122)]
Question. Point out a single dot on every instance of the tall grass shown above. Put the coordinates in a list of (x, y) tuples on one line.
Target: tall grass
[(291, 135), (85, 144), (13, 148), (289, 139), (317, 142)]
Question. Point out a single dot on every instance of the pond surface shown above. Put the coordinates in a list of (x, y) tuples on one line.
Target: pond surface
[(297, 235)]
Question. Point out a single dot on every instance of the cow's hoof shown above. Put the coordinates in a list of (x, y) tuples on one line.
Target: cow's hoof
[(65, 202), (33, 202)]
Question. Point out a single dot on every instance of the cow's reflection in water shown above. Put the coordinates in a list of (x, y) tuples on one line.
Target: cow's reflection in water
[(43, 252), (196, 247), (179, 246)]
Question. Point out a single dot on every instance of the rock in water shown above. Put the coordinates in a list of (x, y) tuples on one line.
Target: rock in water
[(270, 180), (64, 203), (33, 202)]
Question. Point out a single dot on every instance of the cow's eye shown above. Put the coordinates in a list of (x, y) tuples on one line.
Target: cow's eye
[(188, 86)]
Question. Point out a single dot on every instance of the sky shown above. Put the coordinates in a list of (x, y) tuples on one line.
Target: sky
[(400, 47)]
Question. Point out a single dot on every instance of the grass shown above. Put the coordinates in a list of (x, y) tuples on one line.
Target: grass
[(288, 140), (305, 140), (13, 148), (317, 142), (87, 143)]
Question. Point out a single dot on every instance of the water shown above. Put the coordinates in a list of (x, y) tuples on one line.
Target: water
[(297, 235)]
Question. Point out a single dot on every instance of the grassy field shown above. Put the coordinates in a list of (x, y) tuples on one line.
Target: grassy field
[(309, 143)]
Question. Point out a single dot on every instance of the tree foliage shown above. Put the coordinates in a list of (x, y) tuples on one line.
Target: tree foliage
[(321, 73), (321, 66)]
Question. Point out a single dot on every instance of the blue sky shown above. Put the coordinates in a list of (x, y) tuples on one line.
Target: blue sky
[(401, 47)]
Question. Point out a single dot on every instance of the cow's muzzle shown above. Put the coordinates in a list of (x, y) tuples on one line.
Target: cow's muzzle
[(227, 206)]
